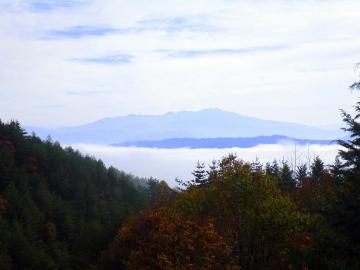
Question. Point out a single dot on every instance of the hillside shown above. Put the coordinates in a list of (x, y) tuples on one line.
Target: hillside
[(58, 208)]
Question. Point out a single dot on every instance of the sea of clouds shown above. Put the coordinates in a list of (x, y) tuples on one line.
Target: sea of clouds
[(168, 164)]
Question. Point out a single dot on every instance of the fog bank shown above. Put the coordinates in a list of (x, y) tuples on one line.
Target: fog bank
[(167, 164)]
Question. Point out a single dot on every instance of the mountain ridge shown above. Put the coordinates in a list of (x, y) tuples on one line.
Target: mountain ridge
[(212, 123), (243, 142)]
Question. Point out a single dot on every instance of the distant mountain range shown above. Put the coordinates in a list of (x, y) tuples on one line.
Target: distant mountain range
[(221, 142), (207, 123)]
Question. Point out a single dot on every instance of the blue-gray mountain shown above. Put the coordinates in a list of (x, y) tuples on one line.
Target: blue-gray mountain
[(208, 123), (221, 142)]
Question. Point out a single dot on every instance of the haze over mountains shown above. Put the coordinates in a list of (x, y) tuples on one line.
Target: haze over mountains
[(207, 123)]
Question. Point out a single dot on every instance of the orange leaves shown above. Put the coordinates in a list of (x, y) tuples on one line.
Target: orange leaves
[(3, 203), (164, 239), (239, 217), (50, 231)]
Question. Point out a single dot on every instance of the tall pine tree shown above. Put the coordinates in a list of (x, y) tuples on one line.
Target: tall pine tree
[(348, 207)]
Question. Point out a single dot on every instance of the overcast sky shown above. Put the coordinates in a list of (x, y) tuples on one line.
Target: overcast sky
[(67, 62)]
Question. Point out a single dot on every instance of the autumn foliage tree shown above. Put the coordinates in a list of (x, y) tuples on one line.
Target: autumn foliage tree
[(3, 203), (260, 222), (163, 239)]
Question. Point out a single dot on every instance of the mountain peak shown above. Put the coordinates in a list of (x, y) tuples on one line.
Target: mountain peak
[(216, 110), (212, 110), (206, 111)]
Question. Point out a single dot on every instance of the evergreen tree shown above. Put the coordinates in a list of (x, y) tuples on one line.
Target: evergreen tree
[(346, 210), (256, 166), (213, 170), (58, 208), (286, 180), (336, 170), (200, 175), (268, 170), (272, 169), (317, 169), (301, 173)]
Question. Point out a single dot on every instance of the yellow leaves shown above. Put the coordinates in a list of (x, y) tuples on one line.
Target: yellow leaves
[(248, 210)]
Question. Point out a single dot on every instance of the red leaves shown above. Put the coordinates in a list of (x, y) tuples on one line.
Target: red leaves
[(50, 231), (302, 240), (3, 204), (164, 239)]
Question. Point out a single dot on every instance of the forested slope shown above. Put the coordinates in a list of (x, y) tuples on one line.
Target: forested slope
[(58, 209)]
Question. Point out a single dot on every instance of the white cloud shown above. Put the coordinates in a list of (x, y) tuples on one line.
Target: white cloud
[(167, 164), (304, 81)]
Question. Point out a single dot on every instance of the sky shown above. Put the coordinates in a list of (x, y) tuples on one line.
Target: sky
[(69, 62)]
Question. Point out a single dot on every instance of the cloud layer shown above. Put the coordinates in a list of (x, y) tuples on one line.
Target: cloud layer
[(167, 164)]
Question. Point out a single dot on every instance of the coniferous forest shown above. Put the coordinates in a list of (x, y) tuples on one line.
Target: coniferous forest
[(60, 209)]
